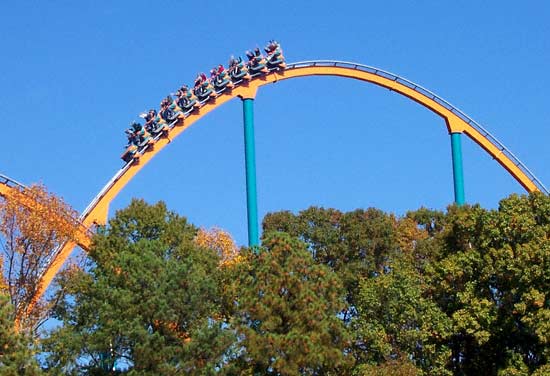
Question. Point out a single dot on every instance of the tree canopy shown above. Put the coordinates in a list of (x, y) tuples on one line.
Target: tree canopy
[(147, 302), (458, 292)]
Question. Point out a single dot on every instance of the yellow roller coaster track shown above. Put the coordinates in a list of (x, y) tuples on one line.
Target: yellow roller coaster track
[(455, 120)]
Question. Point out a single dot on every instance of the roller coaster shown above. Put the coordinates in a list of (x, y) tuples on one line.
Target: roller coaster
[(456, 121)]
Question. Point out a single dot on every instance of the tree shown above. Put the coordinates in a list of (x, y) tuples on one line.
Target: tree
[(492, 279), (397, 320), (146, 304), (219, 241), (355, 244), (471, 297), (285, 311), (16, 357), (399, 367), (33, 223)]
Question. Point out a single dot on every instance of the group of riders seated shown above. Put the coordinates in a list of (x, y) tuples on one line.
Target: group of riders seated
[(186, 100)]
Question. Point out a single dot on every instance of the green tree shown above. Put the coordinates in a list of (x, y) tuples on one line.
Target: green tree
[(399, 367), (398, 321), (147, 303), (493, 280), (355, 244), (16, 356), (285, 311), (466, 291)]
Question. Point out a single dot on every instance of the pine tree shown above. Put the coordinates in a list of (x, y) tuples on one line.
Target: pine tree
[(286, 311), (147, 303), (16, 357)]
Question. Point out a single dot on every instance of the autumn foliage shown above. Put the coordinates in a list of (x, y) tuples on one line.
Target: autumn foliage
[(219, 241), (33, 223)]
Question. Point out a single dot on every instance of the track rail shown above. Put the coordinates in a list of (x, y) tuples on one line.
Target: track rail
[(12, 183), (421, 90), (455, 119)]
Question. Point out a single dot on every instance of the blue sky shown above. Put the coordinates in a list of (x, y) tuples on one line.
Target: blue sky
[(74, 74)]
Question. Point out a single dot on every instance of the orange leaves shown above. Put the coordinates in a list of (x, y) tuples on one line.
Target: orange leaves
[(33, 223), (219, 241), (172, 327), (3, 284), (408, 233), (36, 217)]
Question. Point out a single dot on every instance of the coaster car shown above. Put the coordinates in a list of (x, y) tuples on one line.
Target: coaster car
[(256, 62), (154, 124), (129, 154), (238, 70), (275, 58), (169, 111), (168, 115), (221, 79), (158, 126), (138, 138), (257, 66), (204, 91), (188, 103)]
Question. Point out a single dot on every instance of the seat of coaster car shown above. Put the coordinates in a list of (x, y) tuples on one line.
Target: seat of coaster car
[(159, 127), (242, 73), (128, 154)]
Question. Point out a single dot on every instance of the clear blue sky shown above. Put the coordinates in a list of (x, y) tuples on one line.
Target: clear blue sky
[(75, 73)]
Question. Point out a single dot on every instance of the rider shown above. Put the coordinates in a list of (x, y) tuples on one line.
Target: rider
[(136, 134), (201, 77), (237, 68), (254, 57), (131, 136), (201, 83), (136, 127), (166, 111), (256, 60), (232, 62), (185, 93), (235, 63), (218, 75), (257, 53), (150, 120), (213, 74), (184, 97), (249, 55), (272, 45), (274, 53), (182, 91)]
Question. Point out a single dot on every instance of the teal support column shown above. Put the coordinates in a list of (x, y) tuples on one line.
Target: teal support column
[(250, 163), (458, 175)]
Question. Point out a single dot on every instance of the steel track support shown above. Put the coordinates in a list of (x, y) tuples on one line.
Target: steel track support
[(250, 165), (458, 174)]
